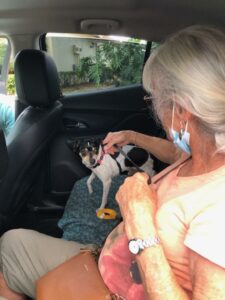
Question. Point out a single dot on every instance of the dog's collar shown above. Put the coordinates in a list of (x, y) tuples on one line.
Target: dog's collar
[(100, 159)]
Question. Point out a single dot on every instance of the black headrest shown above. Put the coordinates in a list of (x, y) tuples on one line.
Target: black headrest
[(37, 81), (3, 155)]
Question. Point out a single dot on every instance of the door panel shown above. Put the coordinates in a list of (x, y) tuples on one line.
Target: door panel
[(101, 111)]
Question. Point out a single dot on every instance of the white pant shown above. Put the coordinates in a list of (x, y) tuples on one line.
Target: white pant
[(26, 255)]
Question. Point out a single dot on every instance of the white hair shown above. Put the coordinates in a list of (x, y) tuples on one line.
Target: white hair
[(189, 69)]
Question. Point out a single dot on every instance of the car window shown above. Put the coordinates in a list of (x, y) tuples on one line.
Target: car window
[(90, 62), (7, 86), (5, 54)]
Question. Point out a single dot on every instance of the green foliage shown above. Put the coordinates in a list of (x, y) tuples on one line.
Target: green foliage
[(11, 89), (67, 79), (96, 69), (114, 64), (82, 70)]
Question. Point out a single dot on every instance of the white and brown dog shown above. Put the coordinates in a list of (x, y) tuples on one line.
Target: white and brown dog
[(106, 166)]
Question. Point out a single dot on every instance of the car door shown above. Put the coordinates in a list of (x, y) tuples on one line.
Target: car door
[(97, 98)]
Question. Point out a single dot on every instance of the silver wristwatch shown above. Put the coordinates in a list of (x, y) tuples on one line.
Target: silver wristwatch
[(137, 245)]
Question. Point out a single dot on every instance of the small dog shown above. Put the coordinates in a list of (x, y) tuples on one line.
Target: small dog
[(106, 166)]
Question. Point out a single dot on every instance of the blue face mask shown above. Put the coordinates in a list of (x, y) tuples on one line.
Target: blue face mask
[(181, 140)]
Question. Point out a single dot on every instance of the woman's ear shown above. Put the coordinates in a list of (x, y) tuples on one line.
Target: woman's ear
[(182, 113)]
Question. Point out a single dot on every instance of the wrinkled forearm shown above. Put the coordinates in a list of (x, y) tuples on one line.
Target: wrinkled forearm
[(159, 280), (157, 275), (163, 149)]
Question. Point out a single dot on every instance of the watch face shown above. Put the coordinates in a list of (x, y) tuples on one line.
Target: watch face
[(134, 247)]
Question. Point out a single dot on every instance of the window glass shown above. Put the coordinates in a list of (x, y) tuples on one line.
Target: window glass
[(87, 62), (5, 55), (3, 51), (10, 86), (7, 87)]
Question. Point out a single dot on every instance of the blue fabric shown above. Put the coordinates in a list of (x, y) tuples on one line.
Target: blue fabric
[(6, 118), (79, 221)]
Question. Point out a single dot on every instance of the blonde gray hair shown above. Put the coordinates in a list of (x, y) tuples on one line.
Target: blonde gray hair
[(189, 69)]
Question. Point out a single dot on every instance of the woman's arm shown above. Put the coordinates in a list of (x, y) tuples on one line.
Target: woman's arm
[(163, 149), (208, 278), (138, 206)]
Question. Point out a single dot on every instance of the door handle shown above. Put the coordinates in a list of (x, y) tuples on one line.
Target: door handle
[(74, 124)]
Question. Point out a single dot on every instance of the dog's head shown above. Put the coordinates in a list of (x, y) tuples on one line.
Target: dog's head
[(89, 153)]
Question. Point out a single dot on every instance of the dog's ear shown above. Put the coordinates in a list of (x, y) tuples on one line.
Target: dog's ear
[(95, 142)]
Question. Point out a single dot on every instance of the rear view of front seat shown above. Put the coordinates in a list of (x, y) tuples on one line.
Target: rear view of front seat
[(37, 86), (4, 160)]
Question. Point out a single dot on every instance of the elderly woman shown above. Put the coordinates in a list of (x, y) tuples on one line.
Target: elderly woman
[(170, 244), (173, 228)]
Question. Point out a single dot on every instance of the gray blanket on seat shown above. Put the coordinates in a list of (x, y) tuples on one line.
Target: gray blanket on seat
[(79, 221)]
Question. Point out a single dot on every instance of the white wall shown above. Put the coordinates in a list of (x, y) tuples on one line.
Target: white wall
[(68, 51)]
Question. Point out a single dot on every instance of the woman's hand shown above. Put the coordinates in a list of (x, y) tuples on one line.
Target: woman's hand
[(119, 138), (137, 201)]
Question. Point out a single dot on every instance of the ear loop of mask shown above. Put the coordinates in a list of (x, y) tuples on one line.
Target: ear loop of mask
[(173, 111), (181, 139), (182, 131)]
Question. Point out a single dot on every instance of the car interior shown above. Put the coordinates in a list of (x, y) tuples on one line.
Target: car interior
[(40, 166)]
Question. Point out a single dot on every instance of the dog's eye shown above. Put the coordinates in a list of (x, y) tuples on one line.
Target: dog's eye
[(95, 150)]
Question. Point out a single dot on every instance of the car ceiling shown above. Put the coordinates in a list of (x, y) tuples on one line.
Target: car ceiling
[(149, 19)]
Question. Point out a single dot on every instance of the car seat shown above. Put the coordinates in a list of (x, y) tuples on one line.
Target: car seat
[(37, 86), (3, 156)]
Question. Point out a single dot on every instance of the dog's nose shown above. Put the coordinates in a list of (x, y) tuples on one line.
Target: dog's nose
[(92, 161)]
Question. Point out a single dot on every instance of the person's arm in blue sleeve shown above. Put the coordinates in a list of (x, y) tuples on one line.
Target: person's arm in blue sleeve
[(7, 118)]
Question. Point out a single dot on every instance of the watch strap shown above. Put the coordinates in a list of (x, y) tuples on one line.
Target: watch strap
[(137, 245)]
